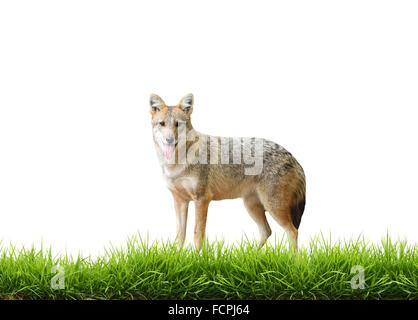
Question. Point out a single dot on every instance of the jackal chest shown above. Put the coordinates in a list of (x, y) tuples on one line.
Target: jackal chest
[(183, 185)]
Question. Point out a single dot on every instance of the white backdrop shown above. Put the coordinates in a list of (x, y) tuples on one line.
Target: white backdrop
[(335, 82)]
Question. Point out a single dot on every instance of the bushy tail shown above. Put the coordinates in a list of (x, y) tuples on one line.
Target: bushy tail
[(298, 204)]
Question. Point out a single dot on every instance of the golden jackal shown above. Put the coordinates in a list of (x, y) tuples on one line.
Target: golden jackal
[(202, 168)]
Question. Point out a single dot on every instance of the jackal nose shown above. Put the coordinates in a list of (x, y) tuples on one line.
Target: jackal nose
[(169, 140)]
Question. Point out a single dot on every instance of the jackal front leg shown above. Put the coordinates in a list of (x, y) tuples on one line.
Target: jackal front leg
[(200, 222), (181, 206)]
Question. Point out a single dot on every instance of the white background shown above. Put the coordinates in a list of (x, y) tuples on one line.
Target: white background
[(334, 82)]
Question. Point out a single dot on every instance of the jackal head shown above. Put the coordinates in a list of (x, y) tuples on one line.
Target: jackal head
[(169, 122)]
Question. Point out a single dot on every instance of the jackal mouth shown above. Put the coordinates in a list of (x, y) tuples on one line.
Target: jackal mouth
[(169, 150), (170, 144)]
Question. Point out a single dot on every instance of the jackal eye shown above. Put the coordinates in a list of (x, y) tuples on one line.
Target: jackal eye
[(162, 123)]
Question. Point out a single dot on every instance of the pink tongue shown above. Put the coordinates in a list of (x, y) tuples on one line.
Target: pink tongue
[(168, 151)]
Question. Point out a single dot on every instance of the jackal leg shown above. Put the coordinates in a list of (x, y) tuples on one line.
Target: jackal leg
[(283, 218), (181, 206), (200, 222), (258, 214), (277, 201)]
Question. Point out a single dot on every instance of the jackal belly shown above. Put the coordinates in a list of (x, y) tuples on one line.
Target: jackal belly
[(188, 188), (225, 188)]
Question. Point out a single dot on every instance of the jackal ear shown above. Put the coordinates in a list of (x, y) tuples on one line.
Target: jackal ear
[(186, 104), (156, 103)]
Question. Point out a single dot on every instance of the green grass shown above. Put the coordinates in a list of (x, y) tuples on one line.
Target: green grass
[(142, 270)]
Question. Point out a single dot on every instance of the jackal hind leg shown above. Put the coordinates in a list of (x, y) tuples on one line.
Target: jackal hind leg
[(283, 218), (278, 204), (257, 212)]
